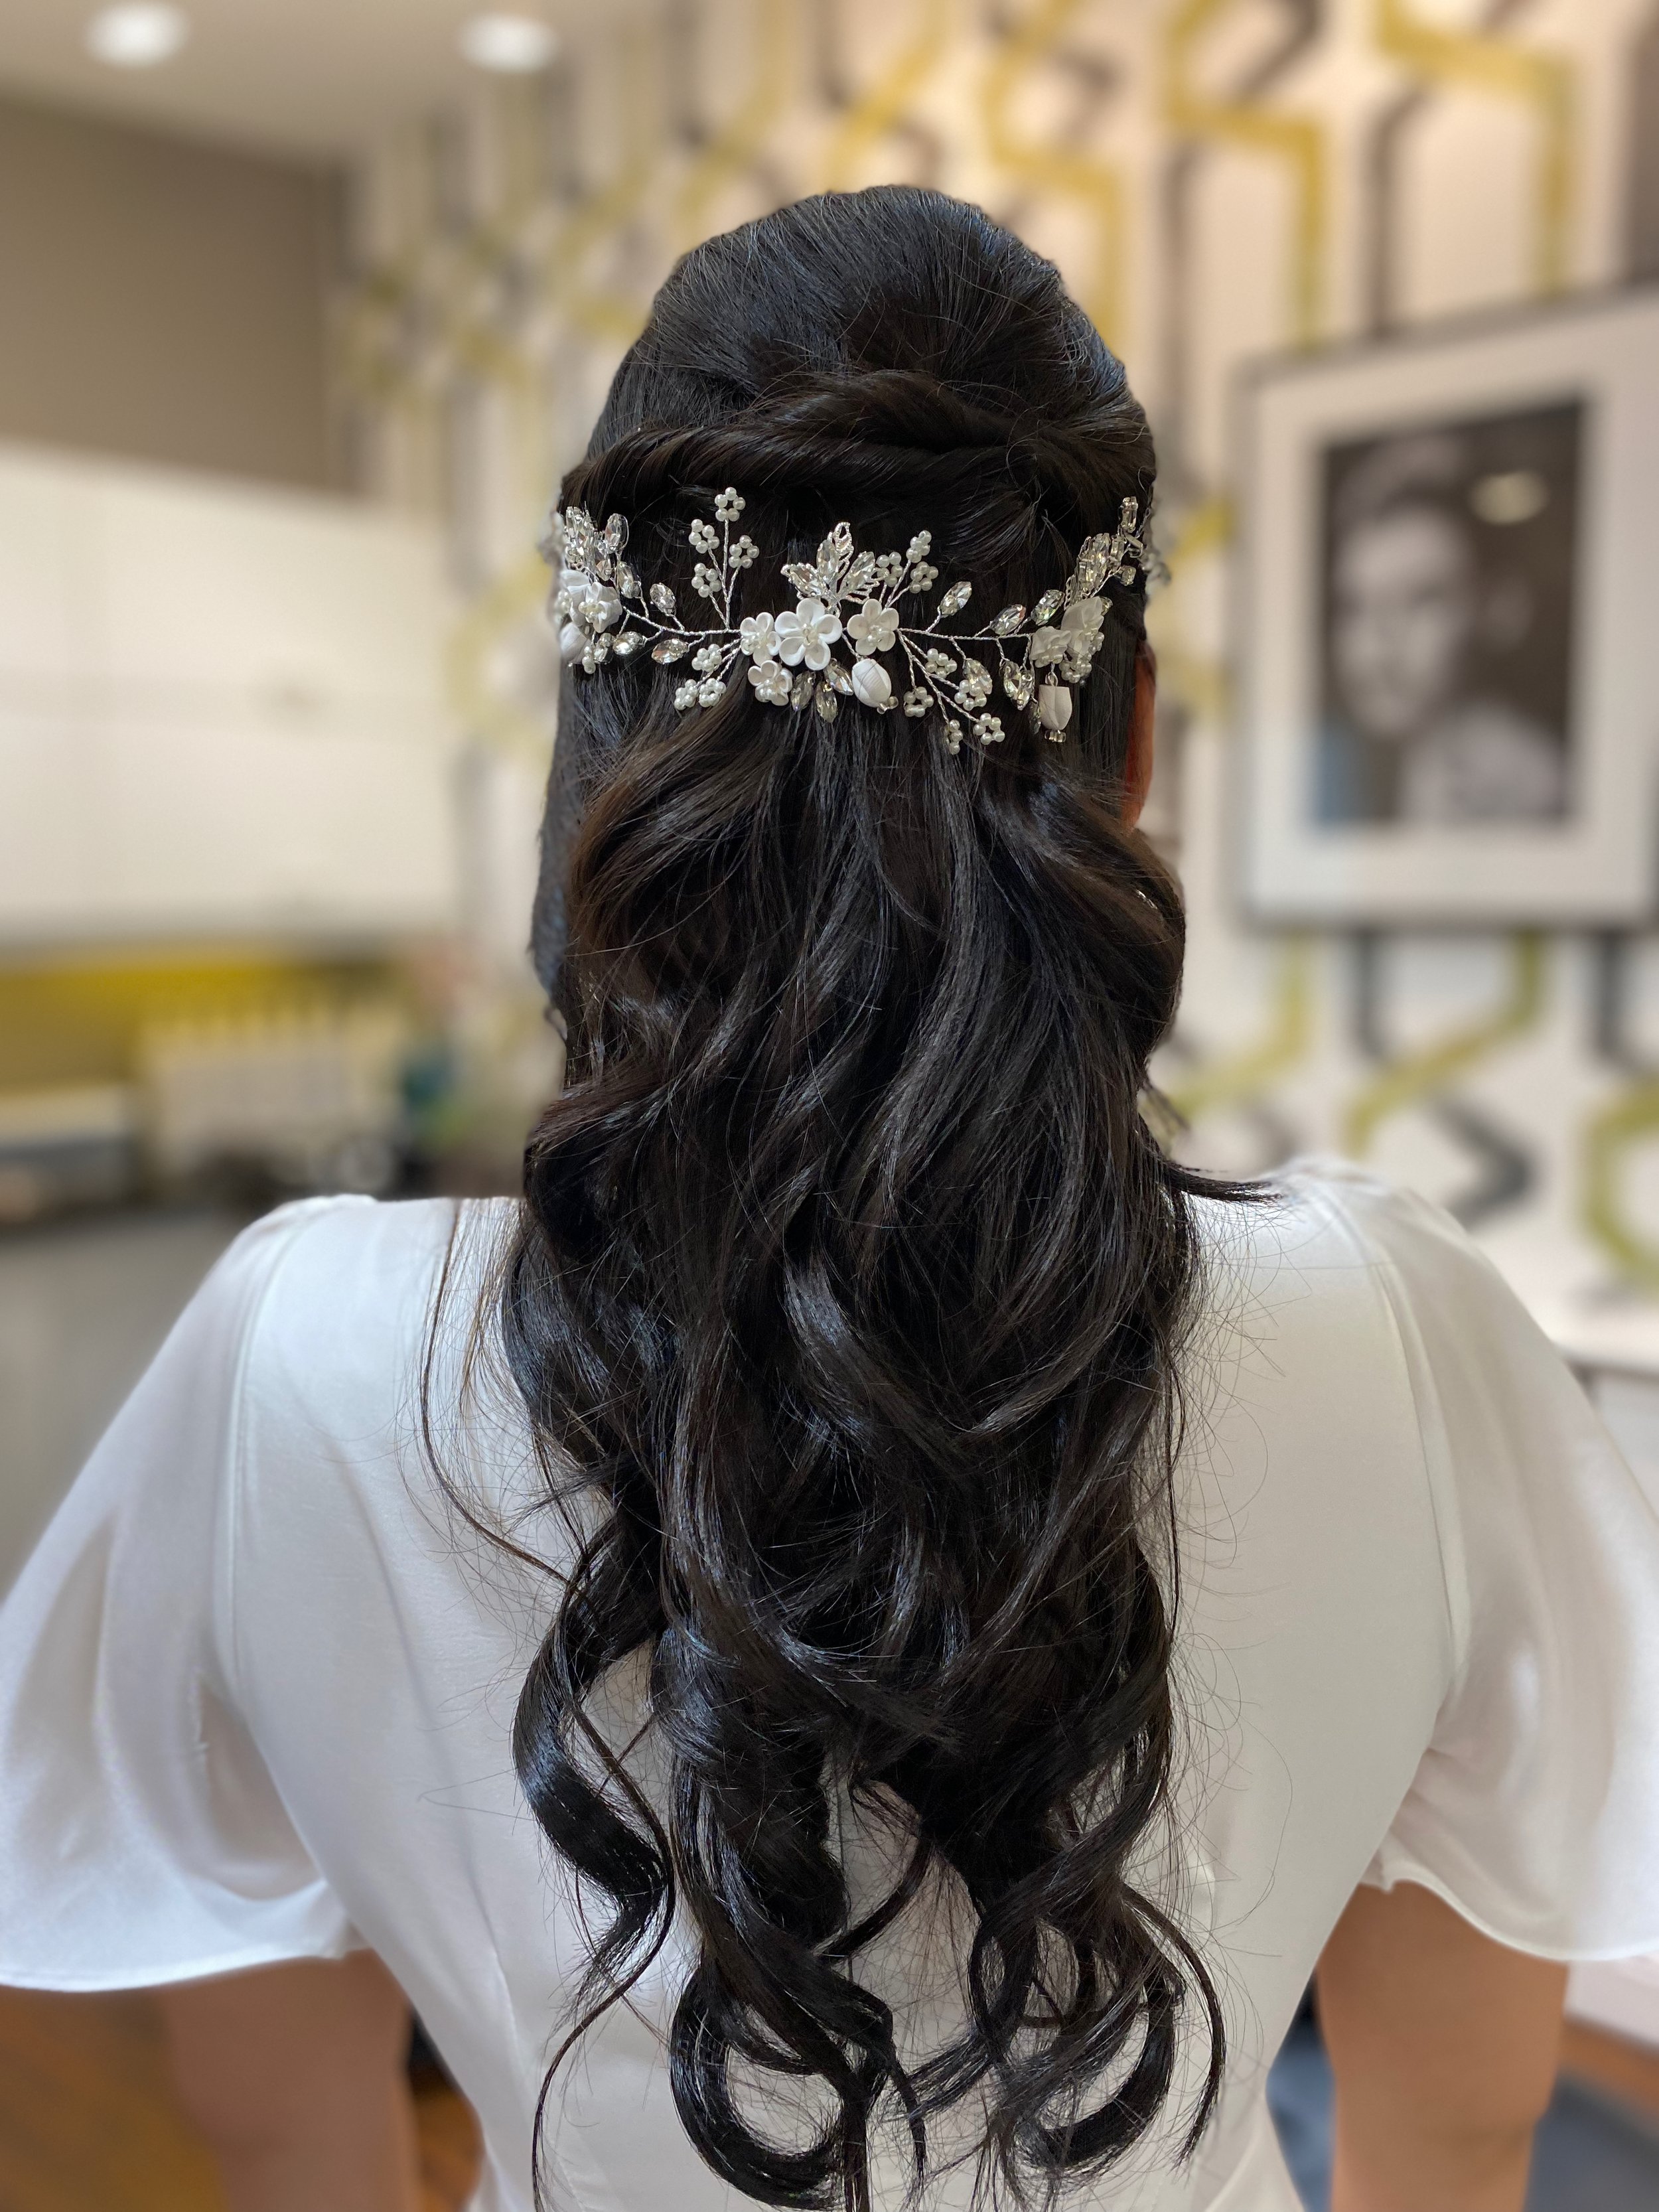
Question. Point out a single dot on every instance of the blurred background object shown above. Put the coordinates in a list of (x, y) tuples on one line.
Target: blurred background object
[(306, 306)]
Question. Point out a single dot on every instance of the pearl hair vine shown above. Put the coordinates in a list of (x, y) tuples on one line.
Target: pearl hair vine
[(605, 610)]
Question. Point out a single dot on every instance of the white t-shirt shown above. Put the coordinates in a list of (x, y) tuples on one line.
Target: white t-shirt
[(256, 1685)]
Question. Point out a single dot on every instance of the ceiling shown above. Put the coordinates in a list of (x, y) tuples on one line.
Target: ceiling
[(311, 77)]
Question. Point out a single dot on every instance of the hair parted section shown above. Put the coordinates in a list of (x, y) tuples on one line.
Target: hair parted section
[(849, 1286)]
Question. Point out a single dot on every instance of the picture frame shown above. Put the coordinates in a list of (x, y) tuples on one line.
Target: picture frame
[(1446, 632)]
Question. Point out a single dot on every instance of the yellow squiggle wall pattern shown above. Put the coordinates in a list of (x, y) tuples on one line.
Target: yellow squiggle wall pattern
[(1492, 64), (1077, 119)]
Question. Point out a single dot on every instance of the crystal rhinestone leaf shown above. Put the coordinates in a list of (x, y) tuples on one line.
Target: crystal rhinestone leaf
[(1017, 682), (862, 573), (1007, 622), (662, 598), (800, 690), (670, 648), (627, 582), (615, 532), (628, 643), (803, 575), (826, 704), (837, 678), (955, 599), (1048, 607)]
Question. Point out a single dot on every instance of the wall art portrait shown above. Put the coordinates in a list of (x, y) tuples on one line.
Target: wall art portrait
[(1449, 669)]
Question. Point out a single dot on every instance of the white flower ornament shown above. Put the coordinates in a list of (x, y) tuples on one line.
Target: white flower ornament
[(601, 607), (807, 635), (604, 612), (872, 683), (772, 682), (874, 628), (757, 637)]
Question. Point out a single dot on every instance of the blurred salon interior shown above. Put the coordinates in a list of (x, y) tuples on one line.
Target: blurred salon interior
[(305, 307)]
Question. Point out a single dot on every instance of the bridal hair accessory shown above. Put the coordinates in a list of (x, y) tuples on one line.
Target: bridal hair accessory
[(843, 598)]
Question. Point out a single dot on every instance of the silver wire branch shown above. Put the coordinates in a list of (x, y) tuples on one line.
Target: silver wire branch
[(844, 597)]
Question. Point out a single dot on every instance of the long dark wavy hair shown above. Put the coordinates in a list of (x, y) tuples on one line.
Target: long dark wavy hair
[(849, 1288)]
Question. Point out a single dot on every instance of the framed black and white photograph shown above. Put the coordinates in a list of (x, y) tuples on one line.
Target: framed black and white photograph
[(1448, 654)]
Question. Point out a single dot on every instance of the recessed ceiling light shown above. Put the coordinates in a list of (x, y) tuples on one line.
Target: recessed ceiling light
[(136, 35), (517, 43)]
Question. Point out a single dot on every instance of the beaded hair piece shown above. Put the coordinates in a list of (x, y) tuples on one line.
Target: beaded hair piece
[(846, 599)]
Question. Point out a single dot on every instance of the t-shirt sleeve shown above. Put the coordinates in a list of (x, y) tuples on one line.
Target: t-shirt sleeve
[(1535, 1810), (142, 1839)]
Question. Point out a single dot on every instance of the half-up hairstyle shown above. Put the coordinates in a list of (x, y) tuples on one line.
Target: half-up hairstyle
[(850, 1284)]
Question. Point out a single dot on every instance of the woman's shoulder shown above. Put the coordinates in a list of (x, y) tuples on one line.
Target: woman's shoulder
[(349, 1259), (1327, 1213), (1342, 1282), (1322, 1215), (364, 1234), (340, 1300)]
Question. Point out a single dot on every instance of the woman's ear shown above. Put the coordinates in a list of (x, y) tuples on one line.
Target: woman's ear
[(1138, 759)]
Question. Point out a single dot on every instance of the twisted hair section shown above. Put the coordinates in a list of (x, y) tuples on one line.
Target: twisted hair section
[(848, 1292)]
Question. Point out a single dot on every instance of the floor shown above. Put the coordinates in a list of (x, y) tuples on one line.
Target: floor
[(88, 2122), (1597, 2150)]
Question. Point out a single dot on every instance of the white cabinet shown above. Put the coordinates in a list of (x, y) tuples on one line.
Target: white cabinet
[(46, 531), (276, 598), (50, 845), (312, 825), (220, 710)]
